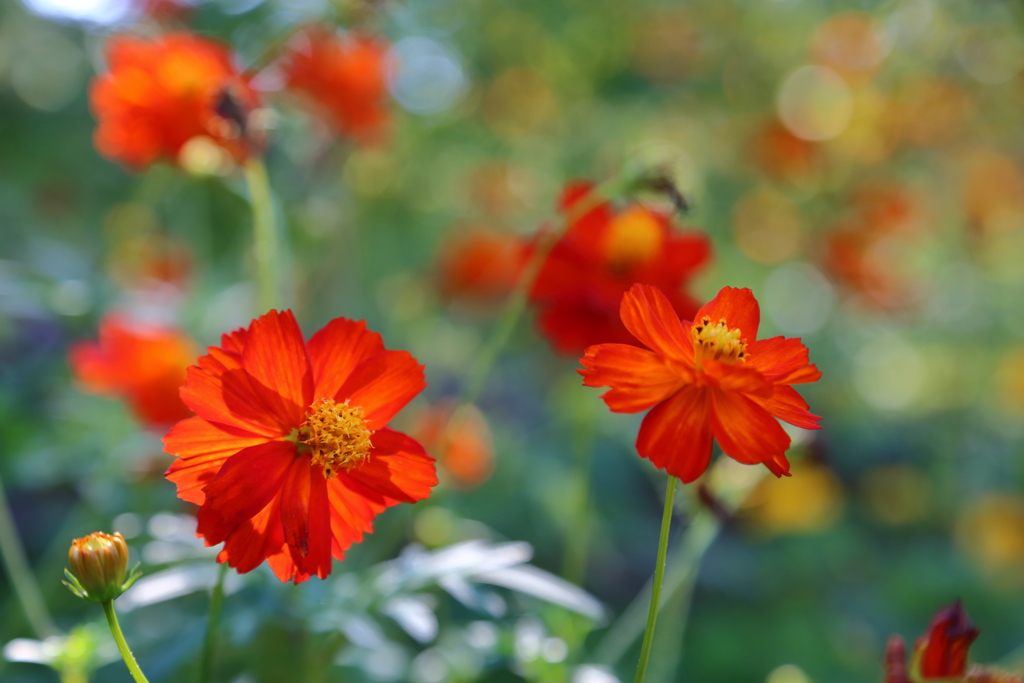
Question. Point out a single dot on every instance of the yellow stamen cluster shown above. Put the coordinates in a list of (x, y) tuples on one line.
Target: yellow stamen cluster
[(336, 435), (717, 342), (634, 237)]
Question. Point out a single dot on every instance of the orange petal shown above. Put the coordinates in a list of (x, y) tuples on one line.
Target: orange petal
[(787, 405), (746, 431), (351, 515), (336, 350), (739, 378), (255, 539), (245, 484), (676, 435), (783, 361), (649, 316), (638, 378), (739, 309), (383, 385), (202, 447), (285, 565), (278, 367), (398, 471), (305, 518), (228, 399)]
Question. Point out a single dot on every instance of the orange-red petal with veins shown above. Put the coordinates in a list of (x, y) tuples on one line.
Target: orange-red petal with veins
[(278, 367), (202, 447), (305, 518), (649, 316), (676, 435), (382, 385), (336, 350), (398, 471), (789, 406), (285, 567), (227, 399), (778, 465), (738, 307), (234, 341), (739, 378), (782, 360), (638, 378), (745, 431), (351, 514), (245, 484), (255, 539)]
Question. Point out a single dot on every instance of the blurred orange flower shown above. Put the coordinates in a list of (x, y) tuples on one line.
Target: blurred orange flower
[(290, 455), (481, 264), (580, 285), (463, 443), (141, 363), (782, 155), (159, 94), (342, 76), (703, 379)]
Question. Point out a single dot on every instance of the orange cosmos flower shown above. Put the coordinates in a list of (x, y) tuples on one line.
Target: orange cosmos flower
[(481, 264), (703, 379), (160, 94), (142, 363), (342, 76), (583, 278), (290, 455), (463, 442)]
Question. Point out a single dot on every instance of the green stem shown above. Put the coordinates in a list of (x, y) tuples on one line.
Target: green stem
[(659, 575), (574, 566), (122, 646), (212, 622), (268, 249), (22, 578)]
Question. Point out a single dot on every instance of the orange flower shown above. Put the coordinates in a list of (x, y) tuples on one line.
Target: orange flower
[(703, 379), (581, 283), (143, 364), (160, 94), (290, 455), (481, 264), (342, 76), (463, 443)]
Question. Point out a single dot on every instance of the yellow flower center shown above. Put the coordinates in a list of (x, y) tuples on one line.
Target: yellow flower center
[(633, 237), (717, 342), (336, 435)]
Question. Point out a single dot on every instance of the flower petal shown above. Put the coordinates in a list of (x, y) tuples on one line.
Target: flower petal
[(638, 378), (738, 307), (782, 360), (648, 315), (746, 431), (305, 518), (255, 539), (275, 359), (382, 385), (789, 406), (246, 483), (285, 565), (676, 435), (351, 516), (202, 448), (741, 378), (398, 471), (225, 397), (336, 350)]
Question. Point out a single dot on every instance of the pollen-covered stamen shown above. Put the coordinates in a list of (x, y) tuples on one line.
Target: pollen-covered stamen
[(717, 342), (336, 435)]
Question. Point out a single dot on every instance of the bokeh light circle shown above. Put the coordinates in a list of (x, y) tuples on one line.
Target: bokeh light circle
[(815, 103)]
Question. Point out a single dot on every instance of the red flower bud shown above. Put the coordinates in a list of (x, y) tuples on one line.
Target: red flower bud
[(99, 565), (943, 652)]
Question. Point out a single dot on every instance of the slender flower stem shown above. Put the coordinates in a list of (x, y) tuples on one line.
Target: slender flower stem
[(659, 575), (122, 646), (583, 419), (268, 247), (22, 578), (212, 622)]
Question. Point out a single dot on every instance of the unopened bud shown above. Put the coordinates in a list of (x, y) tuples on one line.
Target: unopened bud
[(99, 567)]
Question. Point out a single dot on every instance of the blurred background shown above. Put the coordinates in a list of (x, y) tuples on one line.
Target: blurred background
[(857, 164)]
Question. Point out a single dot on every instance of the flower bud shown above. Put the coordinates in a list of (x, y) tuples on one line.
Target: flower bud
[(99, 565), (942, 653)]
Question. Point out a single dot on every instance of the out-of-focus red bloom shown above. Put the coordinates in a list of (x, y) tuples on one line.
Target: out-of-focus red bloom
[(783, 156), (463, 442), (141, 363), (342, 76), (942, 653), (481, 264), (290, 455), (580, 285), (708, 378), (158, 94)]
